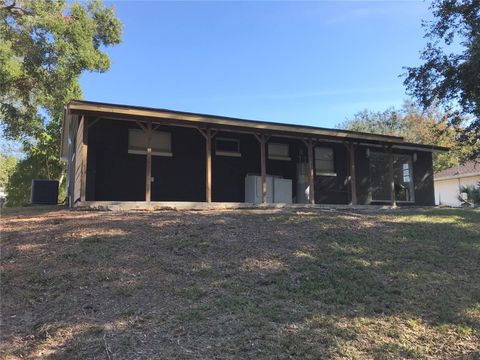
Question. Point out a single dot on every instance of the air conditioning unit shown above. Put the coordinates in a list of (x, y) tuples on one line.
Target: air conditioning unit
[(44, 192)]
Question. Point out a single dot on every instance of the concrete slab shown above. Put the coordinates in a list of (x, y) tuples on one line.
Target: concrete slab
[(186, 205)]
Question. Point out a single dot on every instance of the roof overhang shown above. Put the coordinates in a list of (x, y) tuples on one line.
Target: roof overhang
[(458, 176), (125, 112)]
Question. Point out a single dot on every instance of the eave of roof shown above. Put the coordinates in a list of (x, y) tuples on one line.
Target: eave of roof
[(457, 176), (469, 168), (196, 119)]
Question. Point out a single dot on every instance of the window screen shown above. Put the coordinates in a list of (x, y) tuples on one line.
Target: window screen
[(379, 176), (402, 177), (278, 151), (160, 143), (324, 161), (227, 147)]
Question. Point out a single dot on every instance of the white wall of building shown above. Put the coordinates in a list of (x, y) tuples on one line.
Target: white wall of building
[(447, 190)]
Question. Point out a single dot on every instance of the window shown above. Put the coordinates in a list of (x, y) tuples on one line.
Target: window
[(406, 172), (278, 151), (324, 161), (227, 147), (161, 142), (402, 177)]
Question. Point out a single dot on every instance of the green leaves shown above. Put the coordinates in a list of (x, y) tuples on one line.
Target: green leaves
[(416, 125), (45, 45), (450, 73)]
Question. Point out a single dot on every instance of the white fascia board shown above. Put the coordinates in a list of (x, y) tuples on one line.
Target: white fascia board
[(459, 176)]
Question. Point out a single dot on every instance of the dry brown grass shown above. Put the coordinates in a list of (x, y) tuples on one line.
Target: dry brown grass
[(241, 284)]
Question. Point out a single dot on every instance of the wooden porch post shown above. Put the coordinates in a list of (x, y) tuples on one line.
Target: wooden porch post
[(353, 175), (263, 165), (208, 135), (311, 173), (208, 190), (262, 139), (148, 184), (83, 183), (393, 201)]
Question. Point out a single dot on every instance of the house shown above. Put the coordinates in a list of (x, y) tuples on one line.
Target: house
[(153, 157), (448, 182)]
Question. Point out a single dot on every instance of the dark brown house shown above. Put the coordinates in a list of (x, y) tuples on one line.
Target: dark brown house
[(119, 153)]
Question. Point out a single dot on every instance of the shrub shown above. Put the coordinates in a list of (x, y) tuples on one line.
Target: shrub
[(472, 197)]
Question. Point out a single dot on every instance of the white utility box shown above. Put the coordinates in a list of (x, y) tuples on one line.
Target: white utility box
[(279, 190)]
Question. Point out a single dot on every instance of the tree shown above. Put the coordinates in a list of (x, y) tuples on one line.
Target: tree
[(7, 166), (45, 45), (41, 162), (450, 73), (424, 126)]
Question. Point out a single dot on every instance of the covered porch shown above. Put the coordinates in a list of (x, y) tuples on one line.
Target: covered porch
[(157, 158)]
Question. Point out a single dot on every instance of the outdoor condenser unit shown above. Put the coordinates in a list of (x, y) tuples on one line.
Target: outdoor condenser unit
[(44, 192)]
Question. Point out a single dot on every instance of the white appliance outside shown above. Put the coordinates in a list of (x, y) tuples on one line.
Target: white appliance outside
[(278, 190), (282, 190), (303, 188), (253, 189)]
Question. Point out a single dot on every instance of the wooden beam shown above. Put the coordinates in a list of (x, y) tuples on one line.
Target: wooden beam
[(91, 123), (203, 132), (263, 165), (141, 125), (262, 140), (83, 183), (208, 134), (311, 173), (214, 121), (353, 174), (289, 135), (148, 185), (72, 163), (391, 181), (208, 183)]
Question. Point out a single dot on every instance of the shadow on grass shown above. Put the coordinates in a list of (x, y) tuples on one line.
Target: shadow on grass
[(234, 284)]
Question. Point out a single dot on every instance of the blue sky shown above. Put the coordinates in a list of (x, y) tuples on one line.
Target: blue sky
[(313, 63)]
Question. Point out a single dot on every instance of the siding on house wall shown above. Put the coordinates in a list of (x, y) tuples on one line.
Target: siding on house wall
[(115, 175), (78, 161), (447, 190), (71, 159)]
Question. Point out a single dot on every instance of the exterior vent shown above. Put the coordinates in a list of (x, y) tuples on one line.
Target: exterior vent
[(44, 192)]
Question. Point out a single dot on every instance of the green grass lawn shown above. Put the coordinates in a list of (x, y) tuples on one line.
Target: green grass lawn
[(241, 284)]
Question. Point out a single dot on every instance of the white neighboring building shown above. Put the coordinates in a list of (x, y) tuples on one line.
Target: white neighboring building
[(448, 182)]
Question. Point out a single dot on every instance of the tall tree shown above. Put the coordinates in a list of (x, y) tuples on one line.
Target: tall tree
[(7, 166), (424, 126), (45, 45), (450, 73)]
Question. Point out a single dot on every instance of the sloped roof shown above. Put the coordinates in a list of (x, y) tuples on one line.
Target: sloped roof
[(118, 111), (469, 168)]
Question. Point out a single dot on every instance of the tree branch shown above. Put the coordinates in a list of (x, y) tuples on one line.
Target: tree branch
[(13, 9)]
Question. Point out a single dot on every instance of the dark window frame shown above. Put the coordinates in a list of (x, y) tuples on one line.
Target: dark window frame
[(331, 172), (224, 152)]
